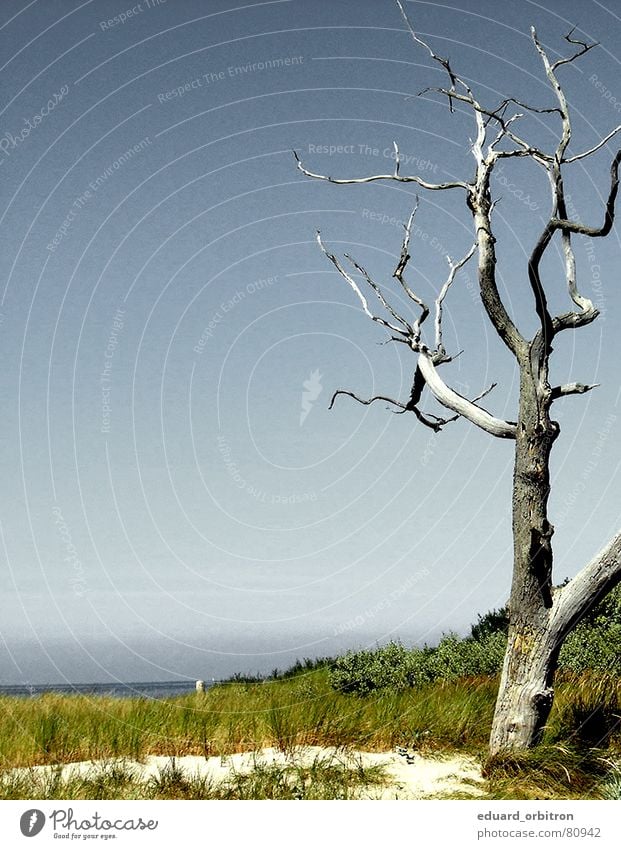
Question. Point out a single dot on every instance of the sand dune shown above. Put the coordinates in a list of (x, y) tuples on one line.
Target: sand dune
[(413, 777)]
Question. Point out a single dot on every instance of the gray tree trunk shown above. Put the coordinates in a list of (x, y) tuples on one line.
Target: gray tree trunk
[(540, 617), (526, 687)]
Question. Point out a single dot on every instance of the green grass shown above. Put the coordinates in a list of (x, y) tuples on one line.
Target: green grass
[(241, 717), (582, 738)]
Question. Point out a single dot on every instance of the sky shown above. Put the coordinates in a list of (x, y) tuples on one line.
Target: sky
[(177, 499)]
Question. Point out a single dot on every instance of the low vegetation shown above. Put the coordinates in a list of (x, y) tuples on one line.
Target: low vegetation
[(322, 778), (436, 700), (592, 647)]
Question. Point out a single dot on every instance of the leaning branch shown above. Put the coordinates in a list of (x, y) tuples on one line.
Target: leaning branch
[(588, 587), (490, 296), (588, 310), (456, 402), (592, 150), (541, 303)]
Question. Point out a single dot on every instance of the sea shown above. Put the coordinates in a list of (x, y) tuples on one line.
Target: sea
[(121, 690)]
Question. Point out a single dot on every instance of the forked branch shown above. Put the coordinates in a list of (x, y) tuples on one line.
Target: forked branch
[(365, 306), (436, 423), (426, 373)]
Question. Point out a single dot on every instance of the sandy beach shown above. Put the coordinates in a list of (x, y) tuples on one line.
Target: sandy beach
[(413, 777)]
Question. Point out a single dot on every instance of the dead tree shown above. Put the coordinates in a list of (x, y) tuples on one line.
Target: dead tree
[(541, 615)]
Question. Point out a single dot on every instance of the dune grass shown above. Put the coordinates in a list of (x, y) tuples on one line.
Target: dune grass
[(551, 771), (582, 739), (238, 717), (323, 778)]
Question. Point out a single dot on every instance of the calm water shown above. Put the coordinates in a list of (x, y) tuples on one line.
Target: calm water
[(146, 689)]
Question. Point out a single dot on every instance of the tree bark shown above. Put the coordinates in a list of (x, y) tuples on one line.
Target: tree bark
[(526, 690), (540, 617), (526, 686)]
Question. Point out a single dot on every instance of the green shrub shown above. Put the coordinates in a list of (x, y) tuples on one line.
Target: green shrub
[(391, 667), (596, 642), (594, 645), (462, 658), (394, 667)]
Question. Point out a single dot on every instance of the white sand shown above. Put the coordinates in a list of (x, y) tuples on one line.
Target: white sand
[(423, 778)]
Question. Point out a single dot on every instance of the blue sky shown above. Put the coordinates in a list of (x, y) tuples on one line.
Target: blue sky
[(177, 498)]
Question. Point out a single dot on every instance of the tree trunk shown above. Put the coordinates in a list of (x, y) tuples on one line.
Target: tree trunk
[(526, 692), (526, 687)]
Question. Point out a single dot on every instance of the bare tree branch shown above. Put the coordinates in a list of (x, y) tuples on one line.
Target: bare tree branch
[(456, 402), (453, 94), (365, 306), (609, 215), (595, 148), (428, 420), (482, 208), (541, 303), (473, 400), (546, 110), (455, 80), (481, 113), (426, 372), (361, 270), (399, 271), (436, 423), (584, 49), (453, 269), (522, 150), (572, 389), (479, 200), (573, 320), (432, 187), (588, 311)]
